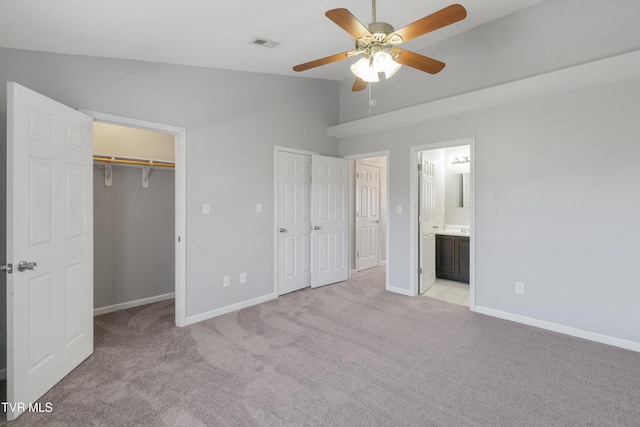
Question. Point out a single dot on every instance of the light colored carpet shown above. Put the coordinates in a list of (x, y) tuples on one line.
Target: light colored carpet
[(349, 354)]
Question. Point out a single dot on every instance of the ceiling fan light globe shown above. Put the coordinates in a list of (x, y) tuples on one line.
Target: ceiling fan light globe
[(383, 63), (363, 70)]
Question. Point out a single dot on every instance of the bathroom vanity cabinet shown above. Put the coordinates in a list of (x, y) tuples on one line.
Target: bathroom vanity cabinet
[(452, 257)]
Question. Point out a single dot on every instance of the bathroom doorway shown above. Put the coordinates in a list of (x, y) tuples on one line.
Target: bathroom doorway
[(442, 202)]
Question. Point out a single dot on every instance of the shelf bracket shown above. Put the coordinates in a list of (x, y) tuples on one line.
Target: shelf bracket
[(108, 173), (146, 171)]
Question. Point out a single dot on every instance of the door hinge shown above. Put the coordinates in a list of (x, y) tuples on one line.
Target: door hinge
[(358, 175), (357, 254), (419, 166), (420, 271), (7, 267)]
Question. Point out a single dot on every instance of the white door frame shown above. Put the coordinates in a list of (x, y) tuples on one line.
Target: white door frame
[(413, 217), (352, 213), (277, 149), (180, 199)]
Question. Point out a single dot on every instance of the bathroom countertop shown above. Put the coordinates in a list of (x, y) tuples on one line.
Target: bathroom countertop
[(452, 233)]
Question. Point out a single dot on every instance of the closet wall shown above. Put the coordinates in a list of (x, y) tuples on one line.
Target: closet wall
[(134, 246)]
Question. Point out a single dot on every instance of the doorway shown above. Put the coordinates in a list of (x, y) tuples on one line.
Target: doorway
[(179, 206), (134, 217), (311, 220), (369, 211), (442, 223)]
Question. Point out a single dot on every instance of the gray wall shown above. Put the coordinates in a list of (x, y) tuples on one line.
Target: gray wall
[(233, 121), (548, 36), (134, 256), (556, 178)]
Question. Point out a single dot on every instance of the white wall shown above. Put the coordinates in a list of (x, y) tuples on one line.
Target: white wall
[(233, 121), (556, 177)]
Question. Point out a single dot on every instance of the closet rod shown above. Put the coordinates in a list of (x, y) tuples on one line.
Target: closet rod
[(134, 162)]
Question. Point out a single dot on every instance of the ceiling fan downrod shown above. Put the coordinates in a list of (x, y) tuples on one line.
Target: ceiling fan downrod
[(373, 11)]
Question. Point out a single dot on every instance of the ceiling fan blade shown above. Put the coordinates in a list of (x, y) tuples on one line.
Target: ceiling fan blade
[(358, 85), (345, 20), (439, 19), (422, 63), (323, 61)]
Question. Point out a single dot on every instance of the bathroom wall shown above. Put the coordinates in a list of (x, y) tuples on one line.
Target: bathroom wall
[(454, 214)]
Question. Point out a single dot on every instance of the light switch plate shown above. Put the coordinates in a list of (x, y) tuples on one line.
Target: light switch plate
[(206, 209)]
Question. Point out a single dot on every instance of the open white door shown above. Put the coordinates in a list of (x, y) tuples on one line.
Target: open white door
[(367, 216), (294, 222), (427, 203), (49, 244), (330, 222)]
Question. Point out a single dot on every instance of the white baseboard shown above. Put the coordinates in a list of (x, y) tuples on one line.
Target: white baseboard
[(228, 309), (131, 304), (556, 327), (401, 291), (3, 374)]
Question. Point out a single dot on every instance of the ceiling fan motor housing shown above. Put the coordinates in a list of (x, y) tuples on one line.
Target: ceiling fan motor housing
[(379, 30)]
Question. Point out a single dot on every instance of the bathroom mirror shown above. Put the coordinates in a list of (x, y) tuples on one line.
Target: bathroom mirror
[(461, 190)]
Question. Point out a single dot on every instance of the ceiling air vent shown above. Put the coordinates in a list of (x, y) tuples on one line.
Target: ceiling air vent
[(264, 43)]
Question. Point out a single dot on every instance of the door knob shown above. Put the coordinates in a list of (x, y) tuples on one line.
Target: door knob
[(24, 265), (283, 230)]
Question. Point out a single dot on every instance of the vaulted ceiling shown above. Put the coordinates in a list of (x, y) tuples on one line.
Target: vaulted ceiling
[(217, 34)]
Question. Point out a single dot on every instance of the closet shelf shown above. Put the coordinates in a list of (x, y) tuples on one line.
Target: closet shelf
[(140, 162), (147, 165)]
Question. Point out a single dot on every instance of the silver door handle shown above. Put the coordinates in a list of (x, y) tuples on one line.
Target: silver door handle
[(283, 230), (24, 265), (377, 221), (315, 227)]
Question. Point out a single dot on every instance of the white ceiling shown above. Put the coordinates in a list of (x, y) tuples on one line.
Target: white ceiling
[(218, 34)]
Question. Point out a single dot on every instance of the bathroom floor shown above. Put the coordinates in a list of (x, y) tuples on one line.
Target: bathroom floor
[(450, 291)]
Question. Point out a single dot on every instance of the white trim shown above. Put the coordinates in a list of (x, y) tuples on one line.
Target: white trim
[(180, 199), (125, 305), (229, 308), (596, 73), (387, 155), (397, 290), (276, 217), (413, 217), (556, 327)]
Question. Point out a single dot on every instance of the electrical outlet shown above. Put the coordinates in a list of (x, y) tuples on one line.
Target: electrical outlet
[(520, 288), (226, 280), (206, 209), (243, 277)]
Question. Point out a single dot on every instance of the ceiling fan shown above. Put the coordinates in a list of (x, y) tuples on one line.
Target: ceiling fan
[(378, 43)]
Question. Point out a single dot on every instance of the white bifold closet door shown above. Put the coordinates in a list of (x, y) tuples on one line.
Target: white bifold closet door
[(312, 221)]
